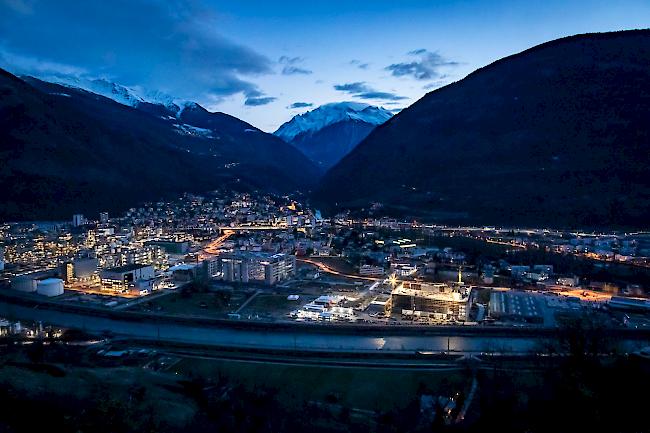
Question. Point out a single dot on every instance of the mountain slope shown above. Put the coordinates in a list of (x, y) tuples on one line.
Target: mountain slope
[(556, 135), (67, 150), (329, 132)]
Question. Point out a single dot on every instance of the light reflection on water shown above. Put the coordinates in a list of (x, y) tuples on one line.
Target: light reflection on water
[(288, 339)]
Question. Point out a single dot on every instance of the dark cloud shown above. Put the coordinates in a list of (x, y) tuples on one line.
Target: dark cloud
[(256, 98), (169, 46), (427, 67), (293, 70), (357, 87), (359, 64), (418, 52), (254, 102), (380, 95), (300, 105), (361, 90), (290, 66), (436, 84)]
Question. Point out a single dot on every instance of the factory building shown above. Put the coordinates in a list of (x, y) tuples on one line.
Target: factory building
[(514, 306), (128, 277), (436, 301)]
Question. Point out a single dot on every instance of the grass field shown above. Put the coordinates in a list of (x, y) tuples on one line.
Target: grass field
[(362, 388), (273, 304), (208, 304)]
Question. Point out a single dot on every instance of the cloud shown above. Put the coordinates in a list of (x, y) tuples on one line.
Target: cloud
[(357, 87), (256, 98), (426, 67), (359, 64), (254, 102), (361, 90), (436, 84), (290, 66), (381, 95), (300, 105), (171, 46)]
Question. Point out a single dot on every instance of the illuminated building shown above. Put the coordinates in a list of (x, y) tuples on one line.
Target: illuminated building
[(438, 301), (371, 271), (257, 267), (122, 278)]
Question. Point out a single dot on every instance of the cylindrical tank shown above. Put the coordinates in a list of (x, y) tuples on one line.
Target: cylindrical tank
[(50, 287), (24, 283)]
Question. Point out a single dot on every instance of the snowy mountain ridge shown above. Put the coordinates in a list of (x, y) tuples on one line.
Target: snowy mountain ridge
[(328, 114)]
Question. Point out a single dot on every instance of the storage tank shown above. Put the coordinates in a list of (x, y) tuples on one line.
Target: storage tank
[(24, 283), (50, 287)]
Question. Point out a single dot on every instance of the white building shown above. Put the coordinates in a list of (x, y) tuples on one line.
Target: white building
[(122, 278), (371, 271)]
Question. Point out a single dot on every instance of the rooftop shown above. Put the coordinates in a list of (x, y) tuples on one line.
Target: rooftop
[(126, 268)]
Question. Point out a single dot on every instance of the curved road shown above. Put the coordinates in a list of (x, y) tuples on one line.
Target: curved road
[(323, 267)]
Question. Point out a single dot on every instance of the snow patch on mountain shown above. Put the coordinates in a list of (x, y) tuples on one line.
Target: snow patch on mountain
[(195, 131), (329, 114), (131, 96)]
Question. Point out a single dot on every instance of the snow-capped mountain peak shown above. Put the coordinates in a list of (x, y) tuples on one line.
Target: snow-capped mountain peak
[(329, 114), (131, 96)]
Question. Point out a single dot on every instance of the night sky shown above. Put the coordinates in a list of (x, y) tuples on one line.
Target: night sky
[(265, 61)]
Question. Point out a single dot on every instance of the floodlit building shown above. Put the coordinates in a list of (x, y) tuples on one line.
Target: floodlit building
[(437, 301), (122, 278)]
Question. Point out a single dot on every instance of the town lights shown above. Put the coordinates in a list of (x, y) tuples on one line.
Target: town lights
[(393, 280)]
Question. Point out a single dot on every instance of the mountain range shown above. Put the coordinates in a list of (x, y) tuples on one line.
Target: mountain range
[(66, 150), (557, 135), (328, 133)]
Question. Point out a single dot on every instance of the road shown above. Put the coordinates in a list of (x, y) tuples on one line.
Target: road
[(212, 249), (323, 267)]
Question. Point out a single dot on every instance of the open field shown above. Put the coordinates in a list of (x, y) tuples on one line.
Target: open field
[(205, 304), (369, 389), (276, 305)]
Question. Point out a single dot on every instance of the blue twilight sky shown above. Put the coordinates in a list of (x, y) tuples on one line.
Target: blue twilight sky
[(265, 61)]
